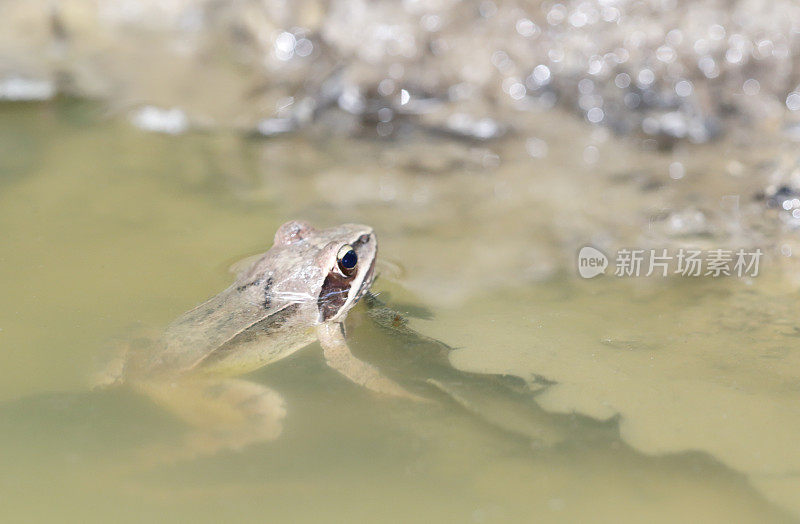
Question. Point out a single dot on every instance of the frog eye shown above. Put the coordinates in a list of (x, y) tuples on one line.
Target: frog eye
[(347, 259)]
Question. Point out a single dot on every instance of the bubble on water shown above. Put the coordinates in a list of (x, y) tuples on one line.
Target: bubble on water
[(284, 46), (517, 91), (665, 54), (500, 60), (578, 19), (646, 77), (304, 47), (683, 88), (781, 49), (404, 97), (386, 87), (632, 100), (708, 66), (674, 37), (536, 147), (733, 55), (541, 74), (635, 39), (751, 86), (595, 115), (556, 14), (763, 49), (622, 80), (701, 46), (555, 54), (596, 65), (716, 32), (586, 102), (526, 27), (676, 171), (793, 101)]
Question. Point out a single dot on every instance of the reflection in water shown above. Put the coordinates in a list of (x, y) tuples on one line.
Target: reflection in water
[(692, 381)]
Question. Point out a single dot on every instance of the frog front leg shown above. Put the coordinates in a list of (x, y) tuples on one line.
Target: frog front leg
[(339, 357)]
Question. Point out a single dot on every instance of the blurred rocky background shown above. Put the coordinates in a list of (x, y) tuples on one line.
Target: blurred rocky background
[(665, 69)]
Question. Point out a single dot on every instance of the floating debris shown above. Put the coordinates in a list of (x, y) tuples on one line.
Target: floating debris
[(18, 89), (276, 126), (151, 118), (466, 125)]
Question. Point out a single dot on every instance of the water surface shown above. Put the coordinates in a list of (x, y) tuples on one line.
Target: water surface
[(109, 232)]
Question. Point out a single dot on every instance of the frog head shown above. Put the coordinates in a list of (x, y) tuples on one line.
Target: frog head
[(337, 265)]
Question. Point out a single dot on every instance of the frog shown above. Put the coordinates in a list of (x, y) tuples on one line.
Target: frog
[(299, 291)]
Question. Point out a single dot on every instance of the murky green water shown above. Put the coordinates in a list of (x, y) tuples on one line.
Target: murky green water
[(685, 390)]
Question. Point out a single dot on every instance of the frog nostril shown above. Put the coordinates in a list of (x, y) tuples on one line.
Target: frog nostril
[(363, 239)]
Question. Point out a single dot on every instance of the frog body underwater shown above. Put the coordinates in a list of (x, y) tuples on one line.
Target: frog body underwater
[(297, 292)]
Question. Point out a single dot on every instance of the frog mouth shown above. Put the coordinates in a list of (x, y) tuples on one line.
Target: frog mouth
[(369, 278), (369, 275)]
